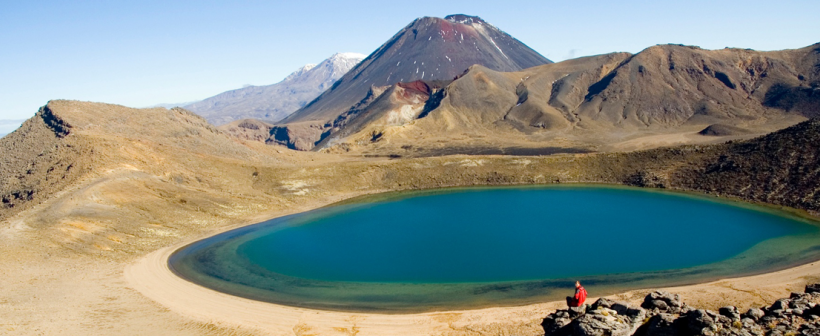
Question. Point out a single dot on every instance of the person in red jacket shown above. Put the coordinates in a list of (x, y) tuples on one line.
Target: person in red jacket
[(580, 296)]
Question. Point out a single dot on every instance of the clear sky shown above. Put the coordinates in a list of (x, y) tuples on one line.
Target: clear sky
[(142, 53)]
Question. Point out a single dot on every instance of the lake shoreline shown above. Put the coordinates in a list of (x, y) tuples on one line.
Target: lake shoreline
[(151, 277)]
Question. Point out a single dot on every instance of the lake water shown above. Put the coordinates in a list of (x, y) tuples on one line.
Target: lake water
[(477, 247)]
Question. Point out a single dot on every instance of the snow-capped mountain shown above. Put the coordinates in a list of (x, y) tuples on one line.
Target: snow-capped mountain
[(276, 101)]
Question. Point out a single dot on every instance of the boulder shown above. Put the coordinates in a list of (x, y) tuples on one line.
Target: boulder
[(755, 313), (663, 325), (665, 314), (631, 313), (814, 310), (698, 320), (577, 311), (601, 322), (602, 302), (664, 302), (781, 304), (801, 301), (730, 312), (554, 323), (810, 329), (813, 288)]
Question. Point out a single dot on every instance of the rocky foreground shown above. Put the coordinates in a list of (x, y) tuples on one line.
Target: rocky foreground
[(666, 314)]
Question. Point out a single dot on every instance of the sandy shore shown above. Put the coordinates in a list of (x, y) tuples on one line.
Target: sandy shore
[(151, 276)]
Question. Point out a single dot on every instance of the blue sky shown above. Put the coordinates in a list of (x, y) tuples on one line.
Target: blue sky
[(141, 53)]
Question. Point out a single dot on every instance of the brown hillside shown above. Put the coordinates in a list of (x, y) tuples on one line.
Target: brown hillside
[(145, 179), (70, 141), (665, 94)]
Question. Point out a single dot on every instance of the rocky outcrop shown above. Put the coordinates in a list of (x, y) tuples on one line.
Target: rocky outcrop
[(300, 136), (248, 129), (666, 314), (38, 159)]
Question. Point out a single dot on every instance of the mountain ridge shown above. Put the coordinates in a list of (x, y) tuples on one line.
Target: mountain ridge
[(596, 102), (273, 102)]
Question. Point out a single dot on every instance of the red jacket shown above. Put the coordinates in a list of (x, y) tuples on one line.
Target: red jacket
[(580, 296)]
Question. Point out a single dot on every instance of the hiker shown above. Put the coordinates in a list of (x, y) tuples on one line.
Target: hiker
[(580, 296)]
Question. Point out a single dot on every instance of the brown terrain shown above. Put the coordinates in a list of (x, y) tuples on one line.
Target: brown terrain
[(89, 190), (664, 95)]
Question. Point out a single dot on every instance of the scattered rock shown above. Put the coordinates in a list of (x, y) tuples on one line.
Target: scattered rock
[(730, 312), (577, 311), (602, 302), (781, 304), (698, 320), (664, 302), (665, 314), (755, 313), (663, 325)]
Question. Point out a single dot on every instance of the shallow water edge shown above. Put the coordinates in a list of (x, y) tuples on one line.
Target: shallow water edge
[(416, 297)]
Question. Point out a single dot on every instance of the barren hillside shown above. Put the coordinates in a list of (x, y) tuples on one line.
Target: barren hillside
[(89, 188), (665, 95)]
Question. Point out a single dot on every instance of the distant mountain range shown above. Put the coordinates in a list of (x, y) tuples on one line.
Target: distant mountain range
[(274, 102), (462, 84), (459, 85), (589, 103)]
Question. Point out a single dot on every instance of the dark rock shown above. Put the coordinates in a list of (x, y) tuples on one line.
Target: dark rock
[(747, 321), (664, 325), (725, 321), (601, 322), (577, 311), (602, 302), (666, 315), (755, 313), (814, 310), (632, 313), (803, 301), (813, 288), (810, 332), (663, 301), (806, 296), (781, 304), (697, 320), (730, 312), (660, 305), (555, 322), (768, 319)]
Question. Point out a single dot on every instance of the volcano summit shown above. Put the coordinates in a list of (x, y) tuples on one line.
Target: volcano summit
[(429, 49)]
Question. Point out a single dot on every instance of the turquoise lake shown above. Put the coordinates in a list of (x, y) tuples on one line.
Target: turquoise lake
[(478, 247)]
